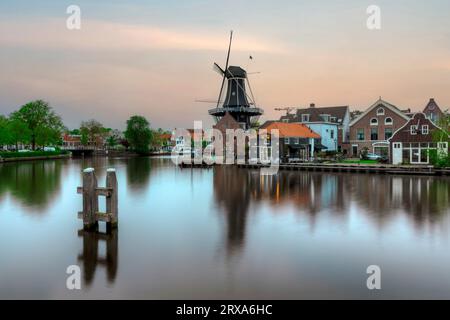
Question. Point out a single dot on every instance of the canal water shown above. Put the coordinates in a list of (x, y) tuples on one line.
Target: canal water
[(223, 233)]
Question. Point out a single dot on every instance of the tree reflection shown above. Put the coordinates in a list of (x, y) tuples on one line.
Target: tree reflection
[(34, 183), (138, 172)]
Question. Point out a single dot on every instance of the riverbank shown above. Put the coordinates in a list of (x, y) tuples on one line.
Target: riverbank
[(360, 168), (31, 158)]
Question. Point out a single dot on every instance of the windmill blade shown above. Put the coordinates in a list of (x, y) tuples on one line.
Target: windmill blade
[(207, 100), (226, 68), (218, 69)]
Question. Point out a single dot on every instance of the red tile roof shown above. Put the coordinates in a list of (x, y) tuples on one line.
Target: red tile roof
[(288, 130)]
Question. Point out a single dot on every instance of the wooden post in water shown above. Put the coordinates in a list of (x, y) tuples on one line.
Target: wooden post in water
[(112, 199), (90, 199)]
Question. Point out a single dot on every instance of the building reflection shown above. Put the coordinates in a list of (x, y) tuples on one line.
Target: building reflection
[(90, 256), (424, 200)]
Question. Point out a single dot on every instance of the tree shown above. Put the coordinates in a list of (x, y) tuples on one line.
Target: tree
[(92, 129), (5, 136), (39, 117), (113, 138), (18, 132), (138, 134)]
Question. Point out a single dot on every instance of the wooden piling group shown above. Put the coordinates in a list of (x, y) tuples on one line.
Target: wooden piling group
[(90, 191)]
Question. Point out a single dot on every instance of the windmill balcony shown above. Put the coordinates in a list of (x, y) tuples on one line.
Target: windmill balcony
[(242, 109)]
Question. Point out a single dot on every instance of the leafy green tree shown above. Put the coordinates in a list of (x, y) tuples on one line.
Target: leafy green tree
[(138, 134), (84, 140), (39, 117), (5, 137), (92, 129), (75, 132), (18, 132)]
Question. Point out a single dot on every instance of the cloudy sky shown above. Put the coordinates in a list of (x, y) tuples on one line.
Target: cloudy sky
[(155, 58)]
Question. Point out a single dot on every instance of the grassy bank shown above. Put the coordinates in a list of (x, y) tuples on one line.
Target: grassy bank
[(31, 154)]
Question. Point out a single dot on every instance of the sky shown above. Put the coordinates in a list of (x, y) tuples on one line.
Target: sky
[(154, 58)]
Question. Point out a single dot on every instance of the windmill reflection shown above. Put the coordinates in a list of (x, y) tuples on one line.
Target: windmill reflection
[(90, 256)]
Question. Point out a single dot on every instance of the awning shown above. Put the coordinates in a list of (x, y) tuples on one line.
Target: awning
[(319, 146)]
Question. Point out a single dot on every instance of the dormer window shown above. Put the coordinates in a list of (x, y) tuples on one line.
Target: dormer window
[(374, 122), (285, 120), (325, 117), (425, 129), (305, 117), (388, 121), (333, 119), (380, 112), (413, 130)]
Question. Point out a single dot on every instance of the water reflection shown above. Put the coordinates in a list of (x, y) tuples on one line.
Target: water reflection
[(34, 184), (425, 200), (138, 172), (90, 256)]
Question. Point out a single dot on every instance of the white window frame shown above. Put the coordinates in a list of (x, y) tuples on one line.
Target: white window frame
[(425, 126), (380, 113), (286, 140), (305, 117), (388, 123), (413, 129), (326, 117), (374, 124)]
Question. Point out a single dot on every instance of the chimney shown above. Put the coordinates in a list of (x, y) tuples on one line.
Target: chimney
[(431, 99), (312, 105)]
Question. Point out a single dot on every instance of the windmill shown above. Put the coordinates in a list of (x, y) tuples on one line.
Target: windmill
[(237, 102)]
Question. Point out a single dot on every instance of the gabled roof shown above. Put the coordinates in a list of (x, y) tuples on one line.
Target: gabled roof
[(314, 113), (416, 119), (290, 130), (384, 104), (432, 106)]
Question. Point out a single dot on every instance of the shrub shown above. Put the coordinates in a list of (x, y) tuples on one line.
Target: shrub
[(439, 161)]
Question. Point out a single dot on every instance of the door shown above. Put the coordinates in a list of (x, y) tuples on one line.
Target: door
[(397, 152), (355, 151)]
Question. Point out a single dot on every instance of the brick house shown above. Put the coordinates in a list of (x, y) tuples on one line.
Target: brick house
[(331, 123), (411, 143), (432, 111), (372, 128)]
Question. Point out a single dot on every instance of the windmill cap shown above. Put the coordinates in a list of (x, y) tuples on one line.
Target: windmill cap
[(236, 72)]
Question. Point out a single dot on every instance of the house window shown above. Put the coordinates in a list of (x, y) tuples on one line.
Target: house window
[(387, 133), (380, 112), (374, 122), (360, 134), (374, 134), (425, 129), (285, 120), (332, 134), (296, 140), (325, 117), (333, 119), (286, 140), (413, 130), (305, 117), (388, 120)]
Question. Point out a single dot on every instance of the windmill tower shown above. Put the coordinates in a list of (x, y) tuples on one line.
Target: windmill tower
[(237, 102)]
